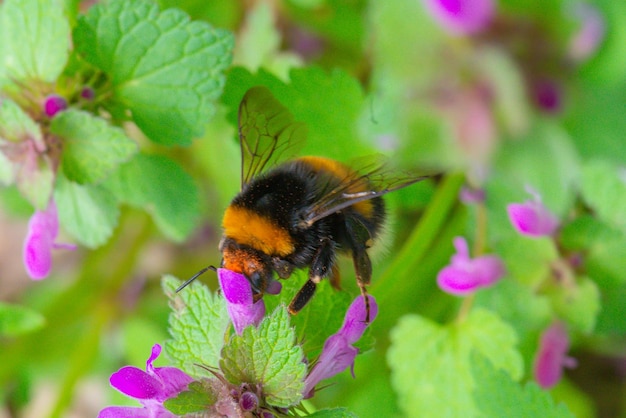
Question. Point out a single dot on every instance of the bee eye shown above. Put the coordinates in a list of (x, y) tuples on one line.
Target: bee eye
[(257, 281)]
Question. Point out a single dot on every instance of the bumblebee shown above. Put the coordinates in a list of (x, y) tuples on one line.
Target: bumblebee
[(302, 212)]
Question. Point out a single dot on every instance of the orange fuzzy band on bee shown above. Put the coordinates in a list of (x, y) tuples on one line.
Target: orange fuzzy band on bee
[(256, 231), (345, 174)]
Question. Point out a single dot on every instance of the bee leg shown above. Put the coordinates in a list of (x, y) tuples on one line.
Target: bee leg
[(303, 297), (335, 277), (320, 268), (282, 267), (363, 269)]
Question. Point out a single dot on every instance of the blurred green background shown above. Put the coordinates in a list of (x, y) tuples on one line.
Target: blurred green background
[(365, 76)]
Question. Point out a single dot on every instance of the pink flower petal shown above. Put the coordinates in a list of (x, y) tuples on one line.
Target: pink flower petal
[(552, 356), (125, 412), (235, 287), (136, 383), (237, 291), (462, 17), (43, 228), (354, 324), (174, 381), (465, 275), (38, 254), (54, 104), (338, 353), (591, 33), (532, 219)]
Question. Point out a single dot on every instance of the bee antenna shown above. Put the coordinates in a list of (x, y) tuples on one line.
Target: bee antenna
[(194, 277)]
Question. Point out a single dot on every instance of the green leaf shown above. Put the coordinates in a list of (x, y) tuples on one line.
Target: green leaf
[(578, 303), (198, 398), (604, 189), (198, 322), (259, 43), (88, 212), (160, 186), (17, 126), (498, 395), (91, 147), (34, 40), (333, 413), (17, 320), (267, 356), (328, 103), (431, 367), (319, 319), (165, 68)]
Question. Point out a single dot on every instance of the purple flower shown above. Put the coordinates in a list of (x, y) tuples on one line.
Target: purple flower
[(465, 275), (87, 93), (591, 33), (151, 388), (338, 352), (43, 229), (552, 356), (532, 218), (237, 291), (472, 196), (53, 104), (462, 17), (547, 95)]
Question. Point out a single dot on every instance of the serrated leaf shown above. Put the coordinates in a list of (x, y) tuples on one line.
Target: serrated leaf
[(17, 320), (88, 212), (430, 362), (497, 395), (578, 304), (160, 186), (333, 413), (267, 356), (91, 147), (165, 68), (198, 397), (319, 319), (198, 322), (34, 40), (604, 189), (16, 125)]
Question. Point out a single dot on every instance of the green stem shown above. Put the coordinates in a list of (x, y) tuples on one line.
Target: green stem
[(124, 251), (419, 242)]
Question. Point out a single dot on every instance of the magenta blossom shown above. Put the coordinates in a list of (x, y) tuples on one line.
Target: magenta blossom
[(465, 275), (338, 352), (462, 17), (532, 218), (591, 33), (552, 356), (151, 388), (237, 291), (43, 229), (54, 104)]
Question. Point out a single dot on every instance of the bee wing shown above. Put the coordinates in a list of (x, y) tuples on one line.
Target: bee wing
[(268, 132), (372, 179)]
